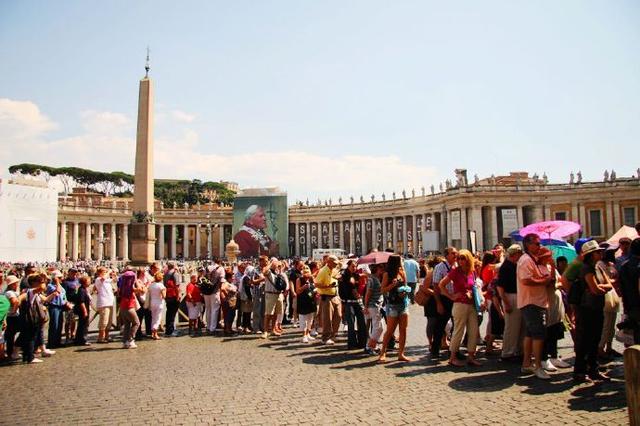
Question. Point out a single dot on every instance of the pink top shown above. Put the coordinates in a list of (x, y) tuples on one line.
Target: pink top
[(531, 294), (461, 284)]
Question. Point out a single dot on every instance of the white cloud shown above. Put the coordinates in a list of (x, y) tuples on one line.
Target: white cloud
[(108, 144), (182, 117), (21, 120), (104, 122)]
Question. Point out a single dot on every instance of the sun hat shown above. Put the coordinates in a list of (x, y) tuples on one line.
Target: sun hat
[(590, 247), (578, 244), (12, 279)]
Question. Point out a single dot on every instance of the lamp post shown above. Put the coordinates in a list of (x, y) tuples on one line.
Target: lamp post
[(209, 228)]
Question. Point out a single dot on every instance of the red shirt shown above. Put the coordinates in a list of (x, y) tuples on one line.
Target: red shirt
[(193, 293), (461, 284)]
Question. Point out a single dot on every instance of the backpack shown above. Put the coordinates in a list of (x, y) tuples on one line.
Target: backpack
[(206, 287), (34, 310), (214, 282), (280, 284), (171, 284)]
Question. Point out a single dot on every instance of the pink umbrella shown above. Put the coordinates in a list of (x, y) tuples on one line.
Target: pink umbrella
[(374, 258), (551, 229)]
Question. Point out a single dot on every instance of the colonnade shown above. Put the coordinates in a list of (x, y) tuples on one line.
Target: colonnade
[(79, 240)]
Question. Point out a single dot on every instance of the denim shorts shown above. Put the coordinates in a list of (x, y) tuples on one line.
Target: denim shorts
[(396, 310), (535, 321)]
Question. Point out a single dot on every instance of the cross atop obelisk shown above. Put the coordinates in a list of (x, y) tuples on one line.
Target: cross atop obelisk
[(142, 223)]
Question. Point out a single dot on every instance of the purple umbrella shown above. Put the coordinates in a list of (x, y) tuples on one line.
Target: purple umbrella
[(551, 229)]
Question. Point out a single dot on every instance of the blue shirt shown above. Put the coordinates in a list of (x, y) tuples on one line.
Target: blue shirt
[(411, 269), (59, 300)]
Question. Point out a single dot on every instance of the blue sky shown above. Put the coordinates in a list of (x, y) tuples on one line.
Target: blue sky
[(326, 99)]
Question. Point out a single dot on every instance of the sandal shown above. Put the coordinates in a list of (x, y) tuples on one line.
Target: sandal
[(474, 362), (455, 363)]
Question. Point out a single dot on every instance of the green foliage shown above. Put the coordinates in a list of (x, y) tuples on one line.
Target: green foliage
[(120, 184)]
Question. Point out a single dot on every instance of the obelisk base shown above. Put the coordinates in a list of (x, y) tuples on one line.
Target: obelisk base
[(143, 243)]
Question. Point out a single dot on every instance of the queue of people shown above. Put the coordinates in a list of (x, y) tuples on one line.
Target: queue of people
[(529, 299)]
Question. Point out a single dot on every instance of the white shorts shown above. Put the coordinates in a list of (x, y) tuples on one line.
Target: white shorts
[(195, 309)]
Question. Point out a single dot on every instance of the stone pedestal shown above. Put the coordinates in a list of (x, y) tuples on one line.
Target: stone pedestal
[(143, 243)]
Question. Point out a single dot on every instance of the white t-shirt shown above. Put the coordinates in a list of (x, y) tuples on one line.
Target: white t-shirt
[(104, 289), (155, 293)]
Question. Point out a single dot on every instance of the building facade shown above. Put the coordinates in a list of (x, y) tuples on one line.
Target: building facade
[(475, 216)]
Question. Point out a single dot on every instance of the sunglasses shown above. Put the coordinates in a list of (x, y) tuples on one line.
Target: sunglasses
[(462, 258)]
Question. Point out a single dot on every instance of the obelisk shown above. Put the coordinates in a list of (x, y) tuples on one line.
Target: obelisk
[(143, 228)]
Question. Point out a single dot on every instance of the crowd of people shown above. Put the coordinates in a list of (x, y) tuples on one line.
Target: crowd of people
[(528, 298)]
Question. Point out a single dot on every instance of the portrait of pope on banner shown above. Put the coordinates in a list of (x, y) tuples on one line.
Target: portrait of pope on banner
[(252, 237)]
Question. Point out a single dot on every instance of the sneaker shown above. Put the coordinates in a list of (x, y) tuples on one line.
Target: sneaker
[(311, 338), (175, 334), (370, 351), (541, 374), (36, 361), (599, 376), (265, 335), (560, 363), (527, 370), (547, 365), (314, 333), (47, 353), (329, 342), (305, 339), (132, 345), (125, 345)]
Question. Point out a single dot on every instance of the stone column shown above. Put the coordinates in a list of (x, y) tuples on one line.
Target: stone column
[(352, 236), (494, 226), (161, 242), (405, 243), (464, 234), (210, 242), (449, 239), (547, 213), (174, 242), (87, 241), (394, 234), (296, 240), (617, 220), (476, 225), (113, 241), (125, 241), (582, 214), (100, 241), (384, 233), (198, 230), (185, 242), (221, 240), (75, 241), (519, 215), (414, 243), (575, 215), (63, 241), (538, 215)]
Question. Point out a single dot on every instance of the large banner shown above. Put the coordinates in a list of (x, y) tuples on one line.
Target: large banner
[(357, 228), (325, 237), (389, 231), (302, 239), (261, 223), (292, 240), (346, 236), (377, 244), (315, 238), (368, 236), (336, 235), (509, 222), (455, 225), (411, 246)]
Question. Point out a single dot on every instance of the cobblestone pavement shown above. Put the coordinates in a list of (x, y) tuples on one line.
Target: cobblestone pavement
[(248, 380)]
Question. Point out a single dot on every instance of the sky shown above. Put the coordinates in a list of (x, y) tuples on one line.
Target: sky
[(325, 99)]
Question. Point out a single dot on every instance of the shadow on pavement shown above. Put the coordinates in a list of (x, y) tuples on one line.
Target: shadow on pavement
[(599, 397)]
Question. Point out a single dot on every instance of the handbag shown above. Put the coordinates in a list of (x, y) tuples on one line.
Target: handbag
[(423, 295), (611, 301)]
